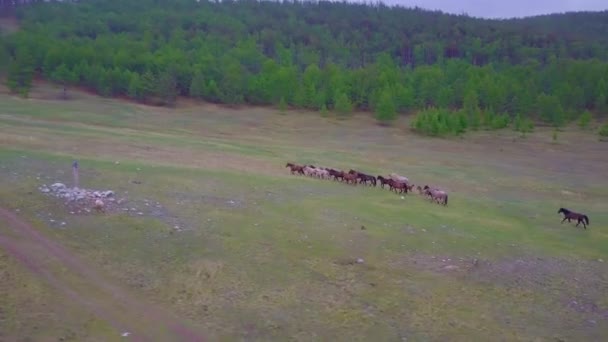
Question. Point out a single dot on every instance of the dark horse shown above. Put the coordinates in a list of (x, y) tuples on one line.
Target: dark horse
[(383, 181), (571, 215), (295, 168)]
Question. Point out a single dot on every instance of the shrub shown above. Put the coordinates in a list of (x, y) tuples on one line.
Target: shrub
[(440, 122), (523, 125), (604, 131), (386, 110), (342, 104), (584, 120), (282, 106), (324, 112), (499, 121)]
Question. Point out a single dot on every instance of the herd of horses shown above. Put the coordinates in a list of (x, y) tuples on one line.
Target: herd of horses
[(400, 184), (394, 182)]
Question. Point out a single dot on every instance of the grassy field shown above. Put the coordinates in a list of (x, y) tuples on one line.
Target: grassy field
[(219, 233)]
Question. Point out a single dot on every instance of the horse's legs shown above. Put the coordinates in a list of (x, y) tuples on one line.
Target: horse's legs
[(565, 218)]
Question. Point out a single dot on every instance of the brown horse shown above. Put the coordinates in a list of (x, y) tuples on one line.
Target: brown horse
[(350, 178), (571, 215), (295, 168), (336, 174), (394, 185), (383, 181)]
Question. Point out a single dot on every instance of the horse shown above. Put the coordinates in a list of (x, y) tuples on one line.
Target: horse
[(350, 177), (336, 174), (364, 178), (420, 191), (394, 185), (367, 178), (322, 173), (308, 171), (399, 178), (295, 168), (383, 181), (436, 195), (571, 215)]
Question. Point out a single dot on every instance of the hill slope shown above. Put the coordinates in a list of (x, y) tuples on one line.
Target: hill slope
[(338, 56)]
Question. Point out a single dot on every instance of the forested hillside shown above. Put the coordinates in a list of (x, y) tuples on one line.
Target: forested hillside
[(463, 72)]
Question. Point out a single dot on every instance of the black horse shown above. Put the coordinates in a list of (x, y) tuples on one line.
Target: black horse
[(571, 215)]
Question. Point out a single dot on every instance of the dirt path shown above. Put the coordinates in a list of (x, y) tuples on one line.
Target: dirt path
[(85, 287)]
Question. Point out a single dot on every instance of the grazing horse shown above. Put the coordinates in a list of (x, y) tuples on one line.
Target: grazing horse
[(437, 195), (383, 181), (571, 215), (295, 168)]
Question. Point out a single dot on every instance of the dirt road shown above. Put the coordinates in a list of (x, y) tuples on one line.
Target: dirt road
[(87, 287)]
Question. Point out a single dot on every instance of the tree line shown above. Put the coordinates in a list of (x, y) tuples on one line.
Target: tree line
[(461, 72)]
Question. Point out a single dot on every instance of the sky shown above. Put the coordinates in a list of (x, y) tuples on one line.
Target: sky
[(504, 8)]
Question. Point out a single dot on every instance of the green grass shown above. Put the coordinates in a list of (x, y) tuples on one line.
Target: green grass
[(276, 263)]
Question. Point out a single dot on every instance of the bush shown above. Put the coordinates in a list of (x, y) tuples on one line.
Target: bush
[(584, 120), (604, 131), (323, 110), (440, 122), (343, 105), (282, 106), (499, 121), (523, 125), (386, 109)]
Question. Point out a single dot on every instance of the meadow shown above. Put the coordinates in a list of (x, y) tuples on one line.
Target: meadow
[(220, 237)]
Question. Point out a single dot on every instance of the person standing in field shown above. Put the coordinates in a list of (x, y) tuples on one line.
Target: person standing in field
[(75, 173)]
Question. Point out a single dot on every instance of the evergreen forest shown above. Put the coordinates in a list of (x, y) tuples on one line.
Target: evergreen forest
[(454, 72)]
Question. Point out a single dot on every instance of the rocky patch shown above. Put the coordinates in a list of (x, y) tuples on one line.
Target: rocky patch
[(83, 200)]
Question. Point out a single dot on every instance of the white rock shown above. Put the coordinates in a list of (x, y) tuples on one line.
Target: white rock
[(58, 186)]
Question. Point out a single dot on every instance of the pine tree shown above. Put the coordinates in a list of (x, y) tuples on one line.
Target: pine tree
[(342, 104), (386, 110), (21, 73)]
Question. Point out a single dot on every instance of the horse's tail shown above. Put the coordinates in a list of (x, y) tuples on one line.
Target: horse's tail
[(586, 219)]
